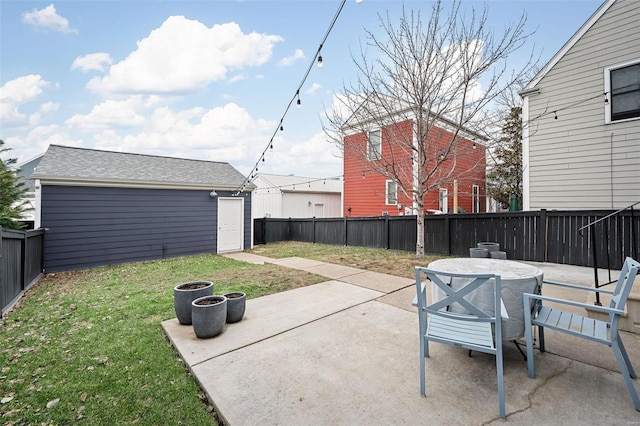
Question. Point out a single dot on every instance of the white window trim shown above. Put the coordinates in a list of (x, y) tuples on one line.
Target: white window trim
[(607, 90), (475, 199), (444, 198), (372, 154), (387, 193)]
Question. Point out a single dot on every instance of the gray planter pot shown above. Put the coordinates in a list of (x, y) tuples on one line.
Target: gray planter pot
[(236, 303), (489, 246), (478, 252), (209, 315), (185, 293), (497, 254)]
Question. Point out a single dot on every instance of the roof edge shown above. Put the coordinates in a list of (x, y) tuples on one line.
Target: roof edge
[(568, 45)]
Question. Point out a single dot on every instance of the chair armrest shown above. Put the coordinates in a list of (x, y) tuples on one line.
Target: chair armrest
[(528, 296), (577, 287), (415, 299)]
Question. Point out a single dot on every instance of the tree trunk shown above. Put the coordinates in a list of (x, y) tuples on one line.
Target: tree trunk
[(420, 233)]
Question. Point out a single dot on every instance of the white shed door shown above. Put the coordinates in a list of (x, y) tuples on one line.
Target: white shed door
[(230, 224)]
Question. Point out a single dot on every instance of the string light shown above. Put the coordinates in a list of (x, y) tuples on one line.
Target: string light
[(317, 58)]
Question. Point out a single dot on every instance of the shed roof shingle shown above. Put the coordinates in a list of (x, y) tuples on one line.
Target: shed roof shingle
[(89, 165)]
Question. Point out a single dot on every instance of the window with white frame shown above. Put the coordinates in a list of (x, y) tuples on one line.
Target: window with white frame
[(622, 87), (443, 202), (392, 193), (476, 198), (374, 144)]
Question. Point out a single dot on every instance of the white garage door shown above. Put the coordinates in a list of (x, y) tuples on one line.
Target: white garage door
[(230, 224)]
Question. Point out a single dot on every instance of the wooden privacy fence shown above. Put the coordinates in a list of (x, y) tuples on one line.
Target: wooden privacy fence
[(542, 236), (20, 264)]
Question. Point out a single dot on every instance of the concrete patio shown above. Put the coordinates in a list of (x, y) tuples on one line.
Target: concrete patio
[(345, 352)]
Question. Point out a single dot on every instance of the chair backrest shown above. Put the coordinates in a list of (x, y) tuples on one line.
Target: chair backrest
[(624, 284), (474, 297)]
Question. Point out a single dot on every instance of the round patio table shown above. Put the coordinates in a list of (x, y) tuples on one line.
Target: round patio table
[(516, 277)]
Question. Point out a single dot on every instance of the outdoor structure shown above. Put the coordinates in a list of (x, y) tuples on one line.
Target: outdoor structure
[(581, 112), (25, 171), (369, 193), (295, 196), (102, 207)]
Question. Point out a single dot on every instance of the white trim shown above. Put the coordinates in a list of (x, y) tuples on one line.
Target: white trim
[(526, 204), (607, 90), (376, 153), (444, 198), (37, 214), (569, 44), (475, 198), (386, 192)]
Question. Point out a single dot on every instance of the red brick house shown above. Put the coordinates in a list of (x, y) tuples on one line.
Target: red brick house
[(459, 179)]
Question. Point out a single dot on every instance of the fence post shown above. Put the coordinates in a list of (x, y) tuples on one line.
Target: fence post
[(313, 237), (447, 230), (346, 219), (541, 237), (386, 232)]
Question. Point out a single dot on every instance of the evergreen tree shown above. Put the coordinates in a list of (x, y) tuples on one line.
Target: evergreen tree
[(12, 191), (506, 177)]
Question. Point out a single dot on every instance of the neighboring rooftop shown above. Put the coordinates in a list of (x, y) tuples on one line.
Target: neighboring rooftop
[(291, 183), (62, 163)]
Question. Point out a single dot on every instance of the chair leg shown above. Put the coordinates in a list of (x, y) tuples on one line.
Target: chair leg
[(500, 371), (622, 363), (541, 337), (423, 351), (632, 372), (528, 336)]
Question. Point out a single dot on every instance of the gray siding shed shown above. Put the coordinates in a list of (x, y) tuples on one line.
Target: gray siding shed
[(101, 207)]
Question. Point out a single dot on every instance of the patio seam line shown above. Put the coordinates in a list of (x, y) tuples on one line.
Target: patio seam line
[(282, 332), (535, 390)]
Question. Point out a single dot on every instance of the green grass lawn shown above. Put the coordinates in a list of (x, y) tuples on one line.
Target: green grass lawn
[(87, 346)]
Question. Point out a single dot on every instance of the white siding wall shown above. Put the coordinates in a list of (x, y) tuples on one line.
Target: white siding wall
[(577, 161), (304, 204)]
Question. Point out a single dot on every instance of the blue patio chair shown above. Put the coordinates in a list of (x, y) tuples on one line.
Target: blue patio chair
[(601, 331), (479, 329)]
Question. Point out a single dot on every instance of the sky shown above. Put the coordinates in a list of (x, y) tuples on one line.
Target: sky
[(208, 79)]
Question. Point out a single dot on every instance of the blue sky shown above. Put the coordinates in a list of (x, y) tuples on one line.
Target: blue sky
[(205, 79)]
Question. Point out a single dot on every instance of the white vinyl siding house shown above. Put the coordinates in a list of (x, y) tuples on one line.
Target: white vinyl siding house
[(283, 196), (574, 156)]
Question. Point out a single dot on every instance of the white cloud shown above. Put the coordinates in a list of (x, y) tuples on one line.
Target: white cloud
[(314, 157), (38, 140), (47, 19), (49, 107), (16, 93), (236, 78), (184, 55), (313, 89), (92, 62), (112, 113), (290, 60)]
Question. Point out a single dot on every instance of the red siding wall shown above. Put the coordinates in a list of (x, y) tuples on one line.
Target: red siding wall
[(364, 189)]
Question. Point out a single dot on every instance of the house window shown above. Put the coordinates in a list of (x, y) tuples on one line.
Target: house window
[(622, 84), (476, 198), (443, 204), (374, 145), (392, 193)]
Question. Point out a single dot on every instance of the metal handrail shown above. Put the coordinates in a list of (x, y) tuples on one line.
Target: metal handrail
[(634, 248)]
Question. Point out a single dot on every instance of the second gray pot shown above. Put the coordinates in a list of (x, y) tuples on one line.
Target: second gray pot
[(209, 315)]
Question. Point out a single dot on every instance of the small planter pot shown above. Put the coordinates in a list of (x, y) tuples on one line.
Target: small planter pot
[(497, 254), (185, 293), (236, 303), (209, 314), (489, 246), (478, 252)]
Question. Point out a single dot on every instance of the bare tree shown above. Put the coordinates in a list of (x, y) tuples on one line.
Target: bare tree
[(440, 77)]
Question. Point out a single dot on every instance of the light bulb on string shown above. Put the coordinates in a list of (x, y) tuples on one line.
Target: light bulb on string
[(320, 61), (298, 103)]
